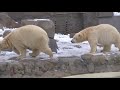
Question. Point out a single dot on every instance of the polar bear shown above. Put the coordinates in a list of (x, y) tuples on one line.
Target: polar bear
[(27, 37), (104, 34)]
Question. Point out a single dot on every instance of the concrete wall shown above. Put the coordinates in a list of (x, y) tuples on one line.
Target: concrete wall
[(104, 14), (89, 19), (59, 67)]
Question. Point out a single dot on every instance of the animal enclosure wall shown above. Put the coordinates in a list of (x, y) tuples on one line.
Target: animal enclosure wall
[(69, 22), (64, 22)]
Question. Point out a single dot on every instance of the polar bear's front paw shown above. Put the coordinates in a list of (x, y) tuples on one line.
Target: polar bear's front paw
[(104, 51), (20, 57), (32, 55)]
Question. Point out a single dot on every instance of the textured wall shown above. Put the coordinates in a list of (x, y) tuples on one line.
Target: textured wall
[(60, 67), (70, 22)]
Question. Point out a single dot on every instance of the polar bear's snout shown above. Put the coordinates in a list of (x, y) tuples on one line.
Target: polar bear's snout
[(73, 41)]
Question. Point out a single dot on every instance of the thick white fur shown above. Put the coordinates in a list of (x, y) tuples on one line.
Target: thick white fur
[(104, 34), (27, 37)]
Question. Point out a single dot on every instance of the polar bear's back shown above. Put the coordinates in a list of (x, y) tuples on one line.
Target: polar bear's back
[(106, 28), (106, 33), (30, 35), (31, 30)]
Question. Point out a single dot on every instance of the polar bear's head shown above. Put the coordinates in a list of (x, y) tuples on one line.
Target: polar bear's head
[(4, 45), (77, 38)]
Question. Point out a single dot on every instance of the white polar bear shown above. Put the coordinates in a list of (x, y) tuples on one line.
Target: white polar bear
[(27, 37), (104, 34)]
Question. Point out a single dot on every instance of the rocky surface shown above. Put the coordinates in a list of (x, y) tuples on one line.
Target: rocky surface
[(59, 67)]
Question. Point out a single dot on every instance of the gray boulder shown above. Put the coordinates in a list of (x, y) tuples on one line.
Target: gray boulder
[(46, 24)]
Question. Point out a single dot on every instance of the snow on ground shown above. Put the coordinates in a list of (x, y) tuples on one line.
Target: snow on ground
[(67, 49)]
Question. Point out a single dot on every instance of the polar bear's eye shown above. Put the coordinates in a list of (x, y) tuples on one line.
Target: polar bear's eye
[(79, 35)]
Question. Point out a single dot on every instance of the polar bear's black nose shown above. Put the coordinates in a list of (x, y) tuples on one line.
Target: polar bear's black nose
[(72, 41)]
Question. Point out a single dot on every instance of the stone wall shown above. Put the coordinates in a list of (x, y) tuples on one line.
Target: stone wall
[(90, 19), (59, 67)]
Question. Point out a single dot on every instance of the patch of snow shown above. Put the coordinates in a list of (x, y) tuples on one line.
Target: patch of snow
[(9, 29), (116, 13), (4, 29), (1, 31), (38, 19)]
